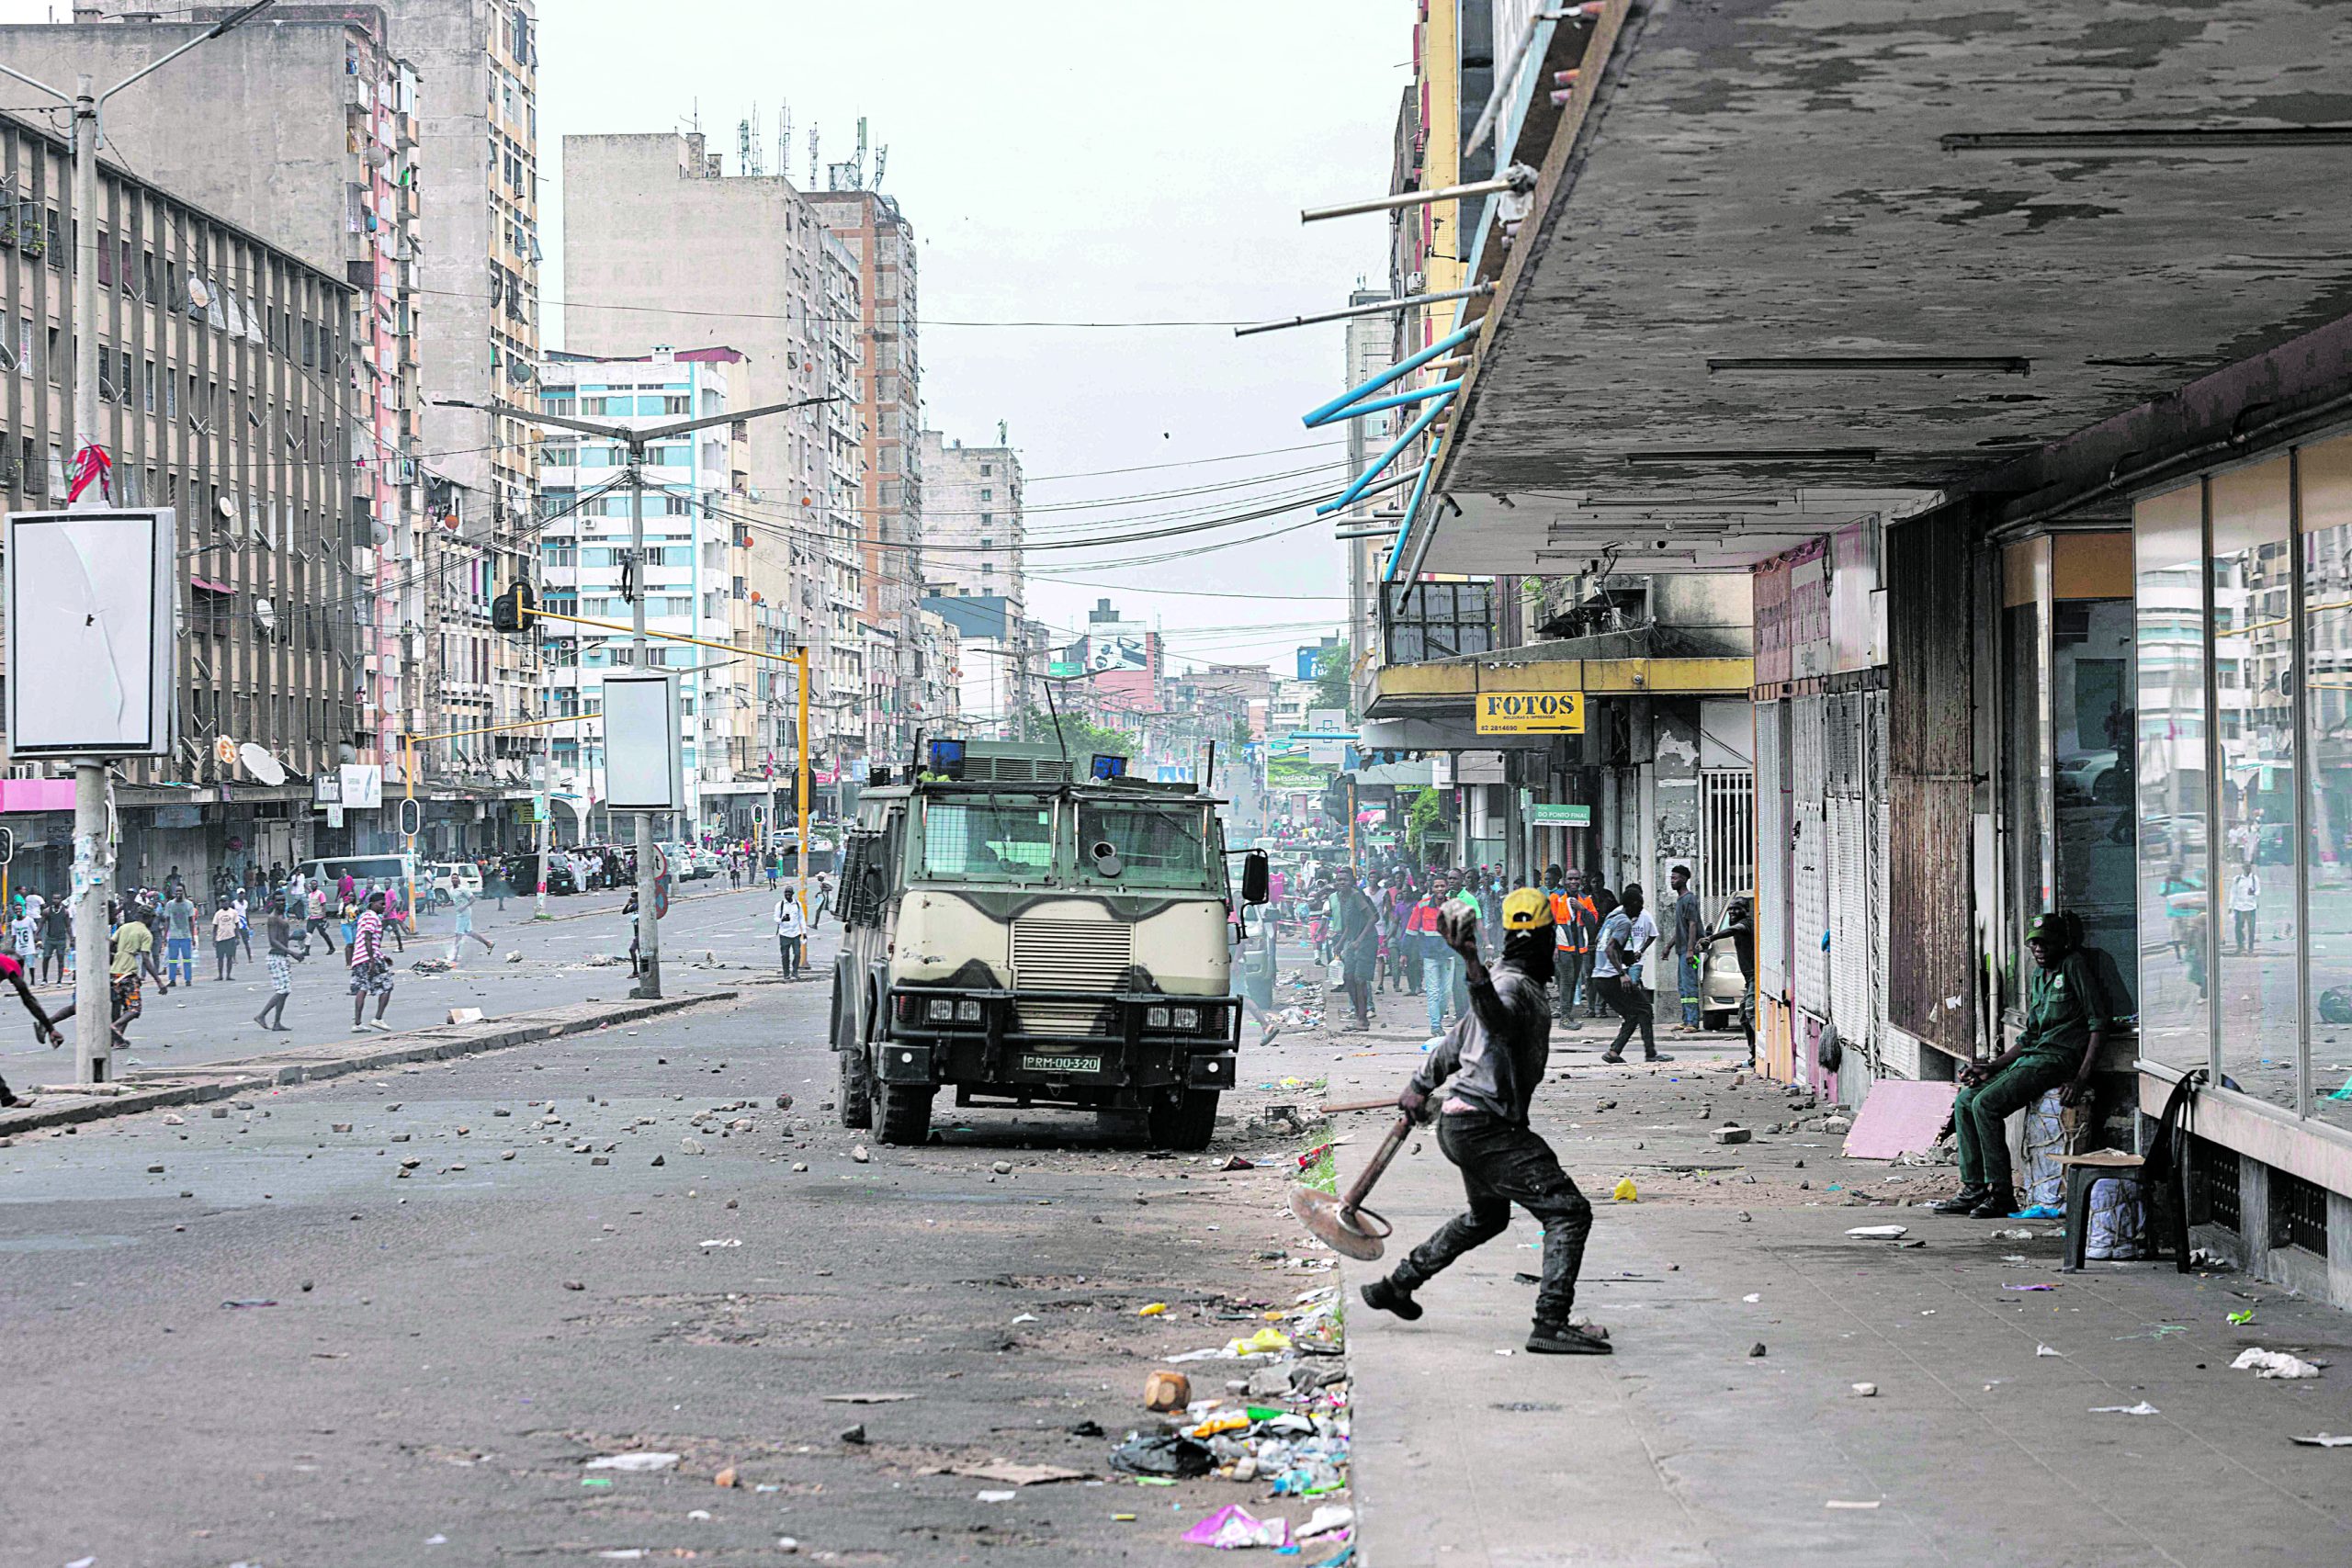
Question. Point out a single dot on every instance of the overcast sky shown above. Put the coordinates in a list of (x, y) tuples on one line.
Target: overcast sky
[(1067, 160)]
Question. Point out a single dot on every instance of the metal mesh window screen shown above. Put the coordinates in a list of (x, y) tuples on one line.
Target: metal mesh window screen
[(2298, 1213), (2214, 1177)]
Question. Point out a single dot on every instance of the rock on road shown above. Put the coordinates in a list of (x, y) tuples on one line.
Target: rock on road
[(263, 1339)]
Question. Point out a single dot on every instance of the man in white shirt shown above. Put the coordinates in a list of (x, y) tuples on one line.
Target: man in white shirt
[(1629, 933), (790, 930), (2245, 903)]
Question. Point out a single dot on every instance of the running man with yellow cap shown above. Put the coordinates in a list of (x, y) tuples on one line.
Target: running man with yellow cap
[(1494, 1053)]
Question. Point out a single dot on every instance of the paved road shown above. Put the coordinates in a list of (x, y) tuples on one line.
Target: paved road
[(427, 1387), (211, 1021)]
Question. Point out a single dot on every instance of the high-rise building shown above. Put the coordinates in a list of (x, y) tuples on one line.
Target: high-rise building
[(476, 285), (655, 225), (889, 403), (695, 577), (224, 393), (307, 135), (444, 218), (974, 572)]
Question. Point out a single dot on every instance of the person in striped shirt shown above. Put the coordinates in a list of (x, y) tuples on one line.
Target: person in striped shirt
[(371, 972)]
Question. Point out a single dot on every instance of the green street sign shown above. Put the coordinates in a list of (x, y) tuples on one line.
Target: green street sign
[(1061, 670), (1560, 815)]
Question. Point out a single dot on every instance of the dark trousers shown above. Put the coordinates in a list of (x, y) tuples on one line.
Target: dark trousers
[(788, 952), (1501, 1164), (1630, 1001), (1978, 1114)]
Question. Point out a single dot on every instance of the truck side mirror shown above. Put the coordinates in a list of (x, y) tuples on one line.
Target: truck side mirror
[(1257, 878)]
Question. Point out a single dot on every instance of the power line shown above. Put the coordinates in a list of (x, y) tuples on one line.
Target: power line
[(546, 303)]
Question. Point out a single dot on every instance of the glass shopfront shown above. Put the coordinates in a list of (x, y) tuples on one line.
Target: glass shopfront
[(2243, 625), (2065, 748)]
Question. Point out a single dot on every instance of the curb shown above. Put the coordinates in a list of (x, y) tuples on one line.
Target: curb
[(220, 1080)]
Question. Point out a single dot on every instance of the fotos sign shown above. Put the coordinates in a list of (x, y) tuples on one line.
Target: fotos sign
[(1531, 713)]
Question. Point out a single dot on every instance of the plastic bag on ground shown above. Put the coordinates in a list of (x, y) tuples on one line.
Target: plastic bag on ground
[(2045, 1140), (1165, 1453), (1233, 1527)]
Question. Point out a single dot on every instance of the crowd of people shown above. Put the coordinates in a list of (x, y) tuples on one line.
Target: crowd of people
[(1377, 930)]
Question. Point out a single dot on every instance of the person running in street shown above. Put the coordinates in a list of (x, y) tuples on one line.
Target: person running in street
[(244, 904), (2066, 1020), (791, 931), (285, 949), (44, 1027), (135, 956), (224, 940), (1626, 936), (1358, 942), (1495, 1056), (315, 924), (179, 940), (1690, 929), (461, 898), (371, 972)]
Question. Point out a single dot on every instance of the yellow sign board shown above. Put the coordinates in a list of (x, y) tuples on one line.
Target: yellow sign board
[(1531, 713)]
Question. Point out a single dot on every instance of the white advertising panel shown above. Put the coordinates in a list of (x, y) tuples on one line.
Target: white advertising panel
[(93, 650), (362, 786), (644, 752)]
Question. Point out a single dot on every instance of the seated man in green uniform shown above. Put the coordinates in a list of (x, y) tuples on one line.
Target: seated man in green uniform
[(2065, 1024)]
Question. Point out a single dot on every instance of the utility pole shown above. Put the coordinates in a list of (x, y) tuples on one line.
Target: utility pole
[(635, 440), (93, 850)]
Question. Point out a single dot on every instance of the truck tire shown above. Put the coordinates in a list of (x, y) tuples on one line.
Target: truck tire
[(853, 1097), (906, 1113), (1183, 1119)]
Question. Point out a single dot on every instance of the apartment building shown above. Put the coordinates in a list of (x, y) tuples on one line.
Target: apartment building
[(305, 131), (889, 406), (223, 393), (696, 579), (974, 571), (655, 223)]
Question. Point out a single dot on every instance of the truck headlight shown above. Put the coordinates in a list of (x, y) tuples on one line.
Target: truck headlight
[(968, 1011), (1155, 1018), (942, 1010), (1185, 1018)]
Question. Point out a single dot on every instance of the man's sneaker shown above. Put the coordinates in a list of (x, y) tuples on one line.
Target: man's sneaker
[(1568, 1339), (1996, 1206), (1611, 1056), (1964, 1202), (1387, 1295), (1657, 1056)]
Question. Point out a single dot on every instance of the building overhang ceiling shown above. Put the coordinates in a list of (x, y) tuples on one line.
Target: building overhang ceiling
[(1794, 262)]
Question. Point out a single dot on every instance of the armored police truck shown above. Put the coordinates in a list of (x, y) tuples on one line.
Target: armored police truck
[(1033, 939)]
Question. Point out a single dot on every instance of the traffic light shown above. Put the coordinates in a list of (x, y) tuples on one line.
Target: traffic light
[(512, 610)]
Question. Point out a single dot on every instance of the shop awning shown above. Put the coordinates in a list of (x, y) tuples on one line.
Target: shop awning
[(1449, 689), (1789, 266)]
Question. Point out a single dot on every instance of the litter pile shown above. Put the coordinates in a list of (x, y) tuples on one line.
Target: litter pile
[(1282, 1424)]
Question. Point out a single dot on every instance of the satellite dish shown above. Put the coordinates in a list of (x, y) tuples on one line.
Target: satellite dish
[(265, 614), (227, 508), (261, 764)]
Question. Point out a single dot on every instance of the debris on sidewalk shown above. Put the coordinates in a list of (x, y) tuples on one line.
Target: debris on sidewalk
[(2274, 1364), (641, 1461), (2324, 1440), (1866, 1391), (1625, 1191), (1234, 1527), (2142, 1408), (1162, 1453), (1879, 1233), (1165, 1390)]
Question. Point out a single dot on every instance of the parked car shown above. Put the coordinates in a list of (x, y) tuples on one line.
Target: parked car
[(445, 878), (707, 863)]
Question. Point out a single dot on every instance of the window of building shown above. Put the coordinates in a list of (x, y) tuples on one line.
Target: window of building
[(1436, 620), (987, 469), (2324, 480), (987, 494)]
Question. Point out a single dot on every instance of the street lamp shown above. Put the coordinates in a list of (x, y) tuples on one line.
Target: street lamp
[(633, 589), (94, 1027)]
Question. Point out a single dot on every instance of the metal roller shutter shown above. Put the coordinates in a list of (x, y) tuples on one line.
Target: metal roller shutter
[(1772, 848), (1809, 854)]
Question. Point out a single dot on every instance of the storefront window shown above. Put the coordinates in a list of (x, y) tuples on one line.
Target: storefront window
[(2324, 476), (2169, 551), (2254, 695), (2025, 753), (2090, 727)]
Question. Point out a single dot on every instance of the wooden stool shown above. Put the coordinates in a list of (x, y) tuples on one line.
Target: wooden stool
[(2082, 1172)]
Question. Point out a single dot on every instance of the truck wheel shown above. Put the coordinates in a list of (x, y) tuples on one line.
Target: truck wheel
[(1184, 1119), (854, 1096), (906, 1113)]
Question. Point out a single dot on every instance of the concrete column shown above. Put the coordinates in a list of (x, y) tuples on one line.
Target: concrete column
[(2339, 1249), (2253, 1215)]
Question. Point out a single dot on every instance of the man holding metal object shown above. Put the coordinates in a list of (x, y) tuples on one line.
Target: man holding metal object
[(1496, 1054)]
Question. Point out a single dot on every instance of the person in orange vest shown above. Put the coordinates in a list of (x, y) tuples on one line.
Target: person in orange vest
[(1574, 919)]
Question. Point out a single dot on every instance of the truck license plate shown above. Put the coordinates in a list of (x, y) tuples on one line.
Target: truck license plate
[(1061, 1064)]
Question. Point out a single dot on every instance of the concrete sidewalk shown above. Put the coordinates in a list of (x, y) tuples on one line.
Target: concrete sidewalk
[(153, 1089), (1685, 1449)]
